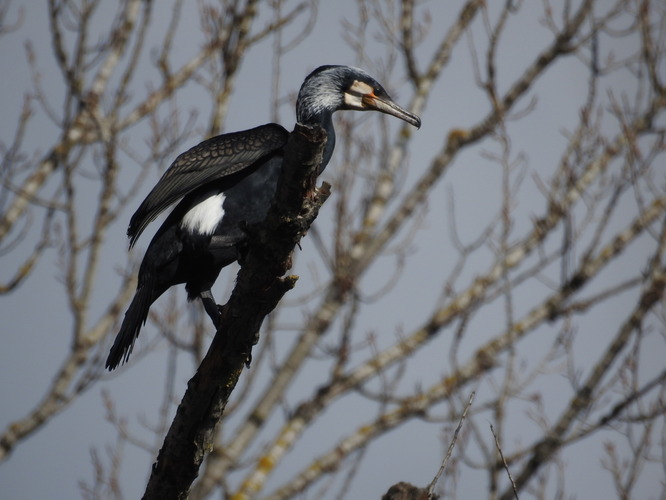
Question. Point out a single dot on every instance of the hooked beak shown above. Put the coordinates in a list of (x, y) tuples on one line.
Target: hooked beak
[(386, 105)]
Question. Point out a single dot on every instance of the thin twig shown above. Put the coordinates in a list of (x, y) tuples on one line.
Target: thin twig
[(506, 466), (431, 486)]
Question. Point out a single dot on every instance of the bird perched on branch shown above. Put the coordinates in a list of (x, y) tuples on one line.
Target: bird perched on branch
[(223, 182)]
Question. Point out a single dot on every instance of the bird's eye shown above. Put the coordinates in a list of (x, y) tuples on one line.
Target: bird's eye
[(379, 92)]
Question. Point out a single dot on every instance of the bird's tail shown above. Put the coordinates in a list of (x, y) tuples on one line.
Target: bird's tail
[(135, 318)]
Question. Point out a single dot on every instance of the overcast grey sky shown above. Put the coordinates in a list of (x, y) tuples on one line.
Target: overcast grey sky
[(36, 320)]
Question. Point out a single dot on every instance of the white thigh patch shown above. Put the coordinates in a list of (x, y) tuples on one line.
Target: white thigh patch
[(204, 217)]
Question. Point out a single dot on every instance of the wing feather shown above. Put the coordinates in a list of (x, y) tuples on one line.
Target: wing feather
[(210, 161)]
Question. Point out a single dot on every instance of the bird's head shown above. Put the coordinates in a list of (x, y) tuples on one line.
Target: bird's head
[(330, 88)]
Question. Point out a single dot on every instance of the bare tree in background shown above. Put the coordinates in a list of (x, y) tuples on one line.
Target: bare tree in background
[(502, 307)]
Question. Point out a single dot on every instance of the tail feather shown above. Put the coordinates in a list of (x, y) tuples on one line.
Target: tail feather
[(135, 318)]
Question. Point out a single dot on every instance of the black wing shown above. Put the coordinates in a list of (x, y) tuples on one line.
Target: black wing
[(209, 161)]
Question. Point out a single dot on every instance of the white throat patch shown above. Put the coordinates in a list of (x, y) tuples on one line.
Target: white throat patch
[(354, 96)]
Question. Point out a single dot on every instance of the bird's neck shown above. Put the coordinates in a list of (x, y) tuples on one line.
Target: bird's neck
[(325, 121), (327, 125)]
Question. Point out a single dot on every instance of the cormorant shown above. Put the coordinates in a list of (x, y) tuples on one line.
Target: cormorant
[(224, 181)]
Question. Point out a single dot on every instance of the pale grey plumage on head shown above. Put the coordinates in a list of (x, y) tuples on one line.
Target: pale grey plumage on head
[(323, 90), (331, 88)]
